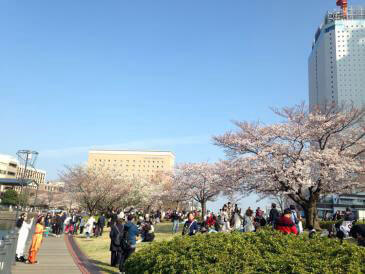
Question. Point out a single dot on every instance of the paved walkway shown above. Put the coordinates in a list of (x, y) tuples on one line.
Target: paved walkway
[(53, 257)]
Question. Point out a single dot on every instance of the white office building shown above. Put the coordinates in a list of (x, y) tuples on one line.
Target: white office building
[(337, 60)]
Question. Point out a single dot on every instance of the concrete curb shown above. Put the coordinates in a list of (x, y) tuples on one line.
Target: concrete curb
[(80, 259)]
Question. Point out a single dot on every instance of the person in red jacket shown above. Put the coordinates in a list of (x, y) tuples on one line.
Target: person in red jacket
[(210, 221), (285, 224)]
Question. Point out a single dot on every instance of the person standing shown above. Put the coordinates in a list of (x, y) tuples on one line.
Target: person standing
[(113, 217), (237, 219), (175, 221), (248, 221), (116, 238), (294, 215), (89, 226), (24, 229), (131, 232), (273, 215), (59, 225), (101, 224), (74, 218), (63, 218), (36, 241), (82, 225)]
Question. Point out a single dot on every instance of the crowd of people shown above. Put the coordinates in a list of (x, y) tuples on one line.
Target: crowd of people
[(289, 221), (230, 218), (129, 228)]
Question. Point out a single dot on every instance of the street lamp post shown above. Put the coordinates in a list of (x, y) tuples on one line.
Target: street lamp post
[(26, 158)]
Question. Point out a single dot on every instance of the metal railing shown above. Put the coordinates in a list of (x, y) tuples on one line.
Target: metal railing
[(354, 13), (7, 251)]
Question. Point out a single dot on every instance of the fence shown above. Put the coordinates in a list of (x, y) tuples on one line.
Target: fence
[(8, 246), (7, 251)]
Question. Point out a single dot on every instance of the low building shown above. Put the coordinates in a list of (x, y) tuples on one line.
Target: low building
[(53, 186), (330, 204), (37, 175), (11, 169), (8, 168)]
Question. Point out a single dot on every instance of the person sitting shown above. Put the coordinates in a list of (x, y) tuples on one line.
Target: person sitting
[(311, 231), (210, 221), (285, 223), (148, 232), (358, 233)]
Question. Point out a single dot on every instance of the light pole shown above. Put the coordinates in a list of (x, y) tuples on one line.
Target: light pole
[(26, 158)]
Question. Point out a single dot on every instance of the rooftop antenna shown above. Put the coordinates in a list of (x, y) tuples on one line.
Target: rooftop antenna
[(343, 4)]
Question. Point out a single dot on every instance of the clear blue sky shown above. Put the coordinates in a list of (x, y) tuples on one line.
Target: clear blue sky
[(142, 74)]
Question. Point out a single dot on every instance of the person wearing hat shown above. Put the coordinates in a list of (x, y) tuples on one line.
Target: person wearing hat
[(285, 223)]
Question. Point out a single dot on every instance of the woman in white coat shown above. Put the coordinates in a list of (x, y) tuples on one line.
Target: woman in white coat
[(89, 226), (237, 220), (23, 235)]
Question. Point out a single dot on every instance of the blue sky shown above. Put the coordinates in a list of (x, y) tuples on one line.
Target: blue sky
[(159, 75)]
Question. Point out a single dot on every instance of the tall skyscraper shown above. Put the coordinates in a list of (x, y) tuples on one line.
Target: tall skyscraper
[(337, 61)]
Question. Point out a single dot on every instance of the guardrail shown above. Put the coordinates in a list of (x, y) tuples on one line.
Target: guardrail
[(7, 251)]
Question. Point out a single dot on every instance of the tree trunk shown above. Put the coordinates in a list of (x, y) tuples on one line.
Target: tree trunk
[(204, 208), (311, 214)]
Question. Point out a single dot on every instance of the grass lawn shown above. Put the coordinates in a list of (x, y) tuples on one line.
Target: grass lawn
[(97, 249)]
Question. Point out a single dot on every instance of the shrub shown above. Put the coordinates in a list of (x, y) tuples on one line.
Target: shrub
[(328, 224), (262, 252)]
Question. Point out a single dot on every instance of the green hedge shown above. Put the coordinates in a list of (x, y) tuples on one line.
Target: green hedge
[(261, 252), (327, 224)]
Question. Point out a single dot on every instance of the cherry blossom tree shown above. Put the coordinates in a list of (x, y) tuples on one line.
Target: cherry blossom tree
[(175, 192), (197, 181), (103, 190), (305, 156), (92, 189)]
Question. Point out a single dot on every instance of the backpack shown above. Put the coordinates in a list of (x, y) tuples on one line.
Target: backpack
[(117, 241), (296, 220), (125, 244)]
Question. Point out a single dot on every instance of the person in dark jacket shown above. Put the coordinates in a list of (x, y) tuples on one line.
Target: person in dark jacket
[(285, 223), (113, 217), (116, 234), (274, 215), (358, 232), (190, 226), (148, 232), (59, 225), (101, 224), (349, 215), (175, 221)]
